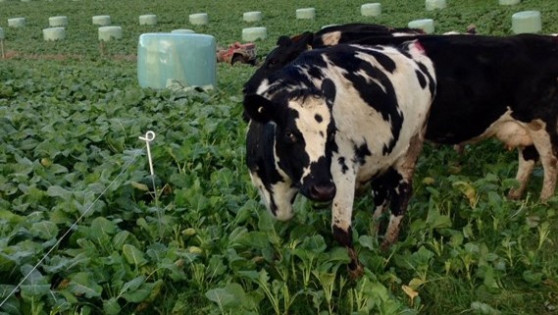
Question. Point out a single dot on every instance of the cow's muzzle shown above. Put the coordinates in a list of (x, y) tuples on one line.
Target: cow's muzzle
[(322, 192)]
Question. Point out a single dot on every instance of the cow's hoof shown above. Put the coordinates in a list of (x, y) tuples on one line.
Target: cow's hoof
[(355, 268), (356, 272)]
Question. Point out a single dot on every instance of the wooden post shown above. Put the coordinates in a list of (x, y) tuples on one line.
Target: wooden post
[(2, 48)]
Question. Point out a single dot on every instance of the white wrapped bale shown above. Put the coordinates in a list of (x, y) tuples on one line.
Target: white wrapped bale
[(16, 22), (183, 31), (371, 9), (427, 25), (101, 20), (199, 19), (509, 2), (148, 19), (55, 21), (526, 22), (253, 16), (165, 58), (306, 13), (108, 33), (54, 33), (435, 4), (251, 34)]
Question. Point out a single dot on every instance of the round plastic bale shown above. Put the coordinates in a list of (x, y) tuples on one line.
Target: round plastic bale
[(16, 22), (306, 13), (253, 16), (101, 20), (165, 58), (54, 33), (199, 19), (55, 21), (108, 33), (148, 19), (371, 9), (250, 34), (526, 22), (427, 25), (183, 31), (435, 4), (509, 2)]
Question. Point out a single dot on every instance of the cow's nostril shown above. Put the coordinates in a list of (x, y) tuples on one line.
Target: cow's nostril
[(323, 192)]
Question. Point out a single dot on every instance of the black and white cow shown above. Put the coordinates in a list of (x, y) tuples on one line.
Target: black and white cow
[(474, 94), (335, 119)]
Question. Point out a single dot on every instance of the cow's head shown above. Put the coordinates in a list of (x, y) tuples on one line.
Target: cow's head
[(303, 142)]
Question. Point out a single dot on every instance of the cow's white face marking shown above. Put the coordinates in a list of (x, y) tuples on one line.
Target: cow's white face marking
[(312, 123)]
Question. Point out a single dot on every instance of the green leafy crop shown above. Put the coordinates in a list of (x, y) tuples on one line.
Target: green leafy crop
[(74, 178)]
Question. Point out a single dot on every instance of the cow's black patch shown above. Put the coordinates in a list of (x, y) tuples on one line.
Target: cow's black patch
[(361, 152), (385, 61), (319, 118), (316, 72), (329, 91), (421, 79), (530, 153), (343, 164), (431, 81)]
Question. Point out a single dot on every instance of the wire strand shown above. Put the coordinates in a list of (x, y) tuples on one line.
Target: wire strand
[(73, 226)]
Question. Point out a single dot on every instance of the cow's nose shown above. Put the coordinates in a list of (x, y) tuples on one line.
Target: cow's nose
[(322, 192)]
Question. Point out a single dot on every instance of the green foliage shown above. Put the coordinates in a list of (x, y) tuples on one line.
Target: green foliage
[(203, 244)]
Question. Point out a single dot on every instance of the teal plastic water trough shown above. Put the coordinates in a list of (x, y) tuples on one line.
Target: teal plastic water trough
[(165, 58)]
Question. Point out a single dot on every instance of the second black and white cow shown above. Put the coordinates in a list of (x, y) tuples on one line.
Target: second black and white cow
[(336, 119)]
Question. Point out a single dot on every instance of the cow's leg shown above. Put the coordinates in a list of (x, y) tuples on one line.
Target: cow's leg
[(547, 152), (382, 196), (405, 169), (401, 193), (341, 212), (528, 157)]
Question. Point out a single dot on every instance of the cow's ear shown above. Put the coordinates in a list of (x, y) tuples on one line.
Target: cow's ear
[(259, 108)]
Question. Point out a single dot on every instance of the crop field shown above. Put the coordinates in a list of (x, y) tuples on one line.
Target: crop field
[(85, 229)]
